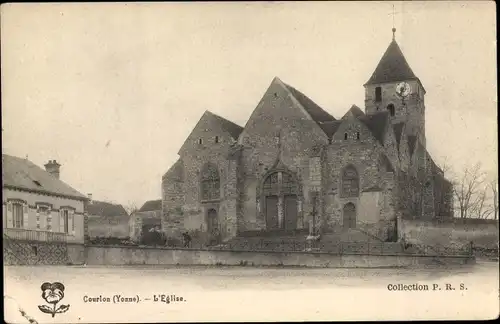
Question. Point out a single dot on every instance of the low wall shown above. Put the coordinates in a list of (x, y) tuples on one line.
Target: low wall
[(42, 253), (482, 233), (123, 255)]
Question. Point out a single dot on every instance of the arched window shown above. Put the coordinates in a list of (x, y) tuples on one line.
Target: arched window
[(350, 182), (391, 109), (345, 136), (210, 182)]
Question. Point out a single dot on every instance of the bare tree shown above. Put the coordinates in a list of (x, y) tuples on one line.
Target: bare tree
[(466, 188), (480, 207), (494, 190), (131, 207)]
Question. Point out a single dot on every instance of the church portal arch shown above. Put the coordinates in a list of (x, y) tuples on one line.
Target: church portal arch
[(280, 200)]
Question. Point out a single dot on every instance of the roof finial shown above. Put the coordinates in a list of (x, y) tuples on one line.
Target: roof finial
[(393, 27)]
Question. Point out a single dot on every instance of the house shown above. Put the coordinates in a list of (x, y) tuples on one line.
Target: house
[(147, 218), (106, 219), (295, 167), (43, 217)]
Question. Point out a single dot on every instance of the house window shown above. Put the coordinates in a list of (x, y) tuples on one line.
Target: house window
[(210, 182), (357, 135), (378, 94), (65, 219), (18, 215), (41, 209), (350, 182), (216, 139), (345, 136), (391, 109)]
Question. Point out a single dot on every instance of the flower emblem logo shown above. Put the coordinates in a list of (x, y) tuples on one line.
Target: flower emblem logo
[(52, 293)]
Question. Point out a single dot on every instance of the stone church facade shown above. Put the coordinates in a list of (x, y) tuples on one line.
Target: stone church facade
[(294, 166)]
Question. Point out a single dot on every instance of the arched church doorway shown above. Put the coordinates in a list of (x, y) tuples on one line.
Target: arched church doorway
[(280, 192), (213, 225), (349, 216)]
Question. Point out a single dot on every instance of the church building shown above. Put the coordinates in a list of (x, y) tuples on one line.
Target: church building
[(294, 167)]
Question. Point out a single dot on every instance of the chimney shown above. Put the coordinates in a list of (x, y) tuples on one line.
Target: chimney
[(53, 167), (90, 198)]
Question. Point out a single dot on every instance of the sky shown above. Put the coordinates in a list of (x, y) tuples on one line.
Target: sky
[(111, 91)]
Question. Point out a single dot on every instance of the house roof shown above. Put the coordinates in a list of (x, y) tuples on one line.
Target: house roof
[(233, 129), (19, 173), (105, 209), (377, 124), (316, 112), (398, 131), (151, 205), (392, 67)]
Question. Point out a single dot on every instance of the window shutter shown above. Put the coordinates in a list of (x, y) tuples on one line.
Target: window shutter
[(25, 216), (9, 215), (61, 221), (71, 221)]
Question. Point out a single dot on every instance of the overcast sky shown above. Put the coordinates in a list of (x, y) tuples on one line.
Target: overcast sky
[(111, 91)]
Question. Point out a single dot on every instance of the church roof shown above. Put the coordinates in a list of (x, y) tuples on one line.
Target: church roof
[(330, 127), (354, 111), (316, 112), (233, 129), (377, 124), (392, 67), (19, 173), (398, 131)]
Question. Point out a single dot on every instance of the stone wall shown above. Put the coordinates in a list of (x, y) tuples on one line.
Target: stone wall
[(451, 233), (42, 253), (136, 255)]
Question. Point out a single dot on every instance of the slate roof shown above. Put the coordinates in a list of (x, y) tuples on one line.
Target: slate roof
[(330, 127), (316, 112), (23, 174), (233, 129), (398, 131), (377, 124), (355, 111), (151, 205), (392, 67), (105, 209), (412, 140)]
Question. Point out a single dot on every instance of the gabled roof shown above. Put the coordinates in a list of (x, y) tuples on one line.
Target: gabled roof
[(377, 124), (354, 111), (19, 173), (392, 67), (175, 172), (105, 209), (412, 140), (316, 112), (330, 127), (398, 131), (151, 205), (233, 129)]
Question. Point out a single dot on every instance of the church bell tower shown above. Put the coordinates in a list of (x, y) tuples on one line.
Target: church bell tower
[(393, 87)]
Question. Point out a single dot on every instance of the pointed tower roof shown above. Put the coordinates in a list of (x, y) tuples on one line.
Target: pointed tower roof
[(392, 67)]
